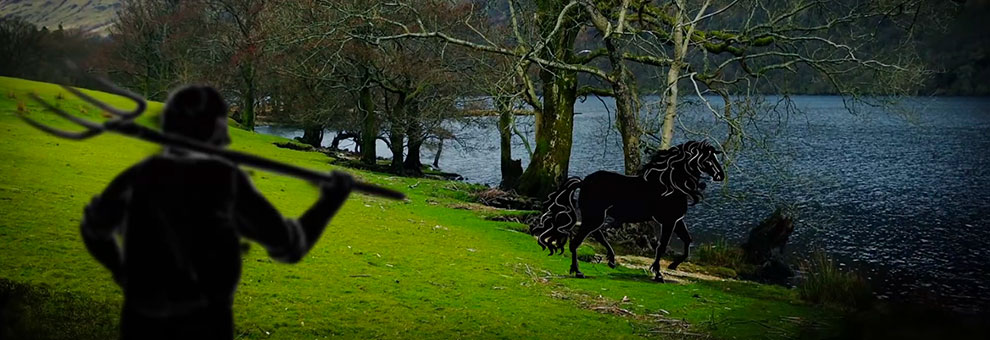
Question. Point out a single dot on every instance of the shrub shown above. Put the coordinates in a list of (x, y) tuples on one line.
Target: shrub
[(21, 107), (59, 96), (720, 254), (826, 284)]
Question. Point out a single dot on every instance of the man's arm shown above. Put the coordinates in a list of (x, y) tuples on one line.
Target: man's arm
[(102, 219), (287, 240)]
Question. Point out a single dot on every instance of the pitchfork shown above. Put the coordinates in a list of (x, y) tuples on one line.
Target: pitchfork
[(124, 124)]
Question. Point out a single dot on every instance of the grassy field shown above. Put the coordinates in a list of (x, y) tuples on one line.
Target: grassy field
[(429, 267)]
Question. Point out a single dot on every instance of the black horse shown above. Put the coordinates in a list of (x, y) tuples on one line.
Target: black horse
[(659, 193)]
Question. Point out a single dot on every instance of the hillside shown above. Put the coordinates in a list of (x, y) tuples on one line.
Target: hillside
[(89, 15), (429, 267)]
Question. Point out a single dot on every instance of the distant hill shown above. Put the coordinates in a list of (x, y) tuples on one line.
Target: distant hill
[(89, 15)]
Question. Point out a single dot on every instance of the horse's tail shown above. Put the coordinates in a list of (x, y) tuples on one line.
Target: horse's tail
[(554, 226)]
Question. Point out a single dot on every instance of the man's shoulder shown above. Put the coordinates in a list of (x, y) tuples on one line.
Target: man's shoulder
[(205, 161), (166, 162)]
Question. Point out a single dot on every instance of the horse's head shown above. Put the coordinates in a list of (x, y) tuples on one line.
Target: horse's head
[(680, 168), (707, 161)]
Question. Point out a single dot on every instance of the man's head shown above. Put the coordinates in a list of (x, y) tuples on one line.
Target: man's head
[(199, 113)]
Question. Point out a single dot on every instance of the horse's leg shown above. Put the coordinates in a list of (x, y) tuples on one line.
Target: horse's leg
[(681, 230), (666, 230), (589, 224), (600, 237)]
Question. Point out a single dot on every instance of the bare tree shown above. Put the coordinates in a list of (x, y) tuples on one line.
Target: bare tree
[(239, 40), (156, 45)]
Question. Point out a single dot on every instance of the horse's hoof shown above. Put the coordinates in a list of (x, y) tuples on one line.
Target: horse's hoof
[(658, 279), (579, 275), (611, 264)]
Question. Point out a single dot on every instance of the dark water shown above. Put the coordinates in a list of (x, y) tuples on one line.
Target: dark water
[(900, 196)]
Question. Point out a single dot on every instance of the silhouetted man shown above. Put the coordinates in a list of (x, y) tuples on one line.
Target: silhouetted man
[(180, 216)]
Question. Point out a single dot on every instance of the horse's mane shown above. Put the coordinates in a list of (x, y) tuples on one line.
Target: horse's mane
[(554, 226), (677, 169)]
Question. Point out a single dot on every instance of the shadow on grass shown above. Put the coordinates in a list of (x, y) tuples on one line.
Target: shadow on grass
[(629, 276), (32, 312)]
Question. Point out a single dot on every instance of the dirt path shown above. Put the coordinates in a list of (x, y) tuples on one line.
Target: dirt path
[(673, 276)]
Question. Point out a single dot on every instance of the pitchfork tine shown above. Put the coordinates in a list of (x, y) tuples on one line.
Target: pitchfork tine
[(142, 105), (56, 132), (85, 123), (116, 90), (92, 129)]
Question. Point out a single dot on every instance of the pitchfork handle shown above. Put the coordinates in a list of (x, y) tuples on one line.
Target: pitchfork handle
[(134, 130)]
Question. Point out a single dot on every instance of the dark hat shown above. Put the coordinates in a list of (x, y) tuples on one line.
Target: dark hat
[(192, 111)]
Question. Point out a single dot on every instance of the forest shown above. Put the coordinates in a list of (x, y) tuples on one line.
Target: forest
[(395, 71)]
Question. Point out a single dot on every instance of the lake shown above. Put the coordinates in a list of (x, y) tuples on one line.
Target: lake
[(901, 195)]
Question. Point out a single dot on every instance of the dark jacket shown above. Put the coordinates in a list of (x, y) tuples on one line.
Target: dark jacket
[(180, 219)]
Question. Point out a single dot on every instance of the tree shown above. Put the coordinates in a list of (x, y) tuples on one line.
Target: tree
[(157, 45), (240, 40), (496, 79), (36, 53), (401, 90)]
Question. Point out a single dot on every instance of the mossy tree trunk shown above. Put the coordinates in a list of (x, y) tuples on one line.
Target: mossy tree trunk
[(554, 128), (554, 124)]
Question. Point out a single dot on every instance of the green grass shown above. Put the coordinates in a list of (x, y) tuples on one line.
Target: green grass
[(415, 269), (725, 259)]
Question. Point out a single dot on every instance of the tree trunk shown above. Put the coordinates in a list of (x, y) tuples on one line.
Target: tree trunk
[(396, 134), (414, 132), (555, 122), (312, 135), (626, 109), (436, 158), (335, 143), (247, 110), (396, 138), (670, 109), (554, 128), (511, 168), (369, 127)]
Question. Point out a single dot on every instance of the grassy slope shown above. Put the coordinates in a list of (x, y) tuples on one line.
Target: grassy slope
[(383, 269)]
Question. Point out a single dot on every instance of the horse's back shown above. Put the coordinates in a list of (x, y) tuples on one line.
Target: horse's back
[(608, 190), (603, 184), (627, 198)]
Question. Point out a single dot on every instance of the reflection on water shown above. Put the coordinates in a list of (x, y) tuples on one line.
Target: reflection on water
[(905, 199)]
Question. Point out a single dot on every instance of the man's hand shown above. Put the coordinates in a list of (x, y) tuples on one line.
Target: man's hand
[(338, 189)]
